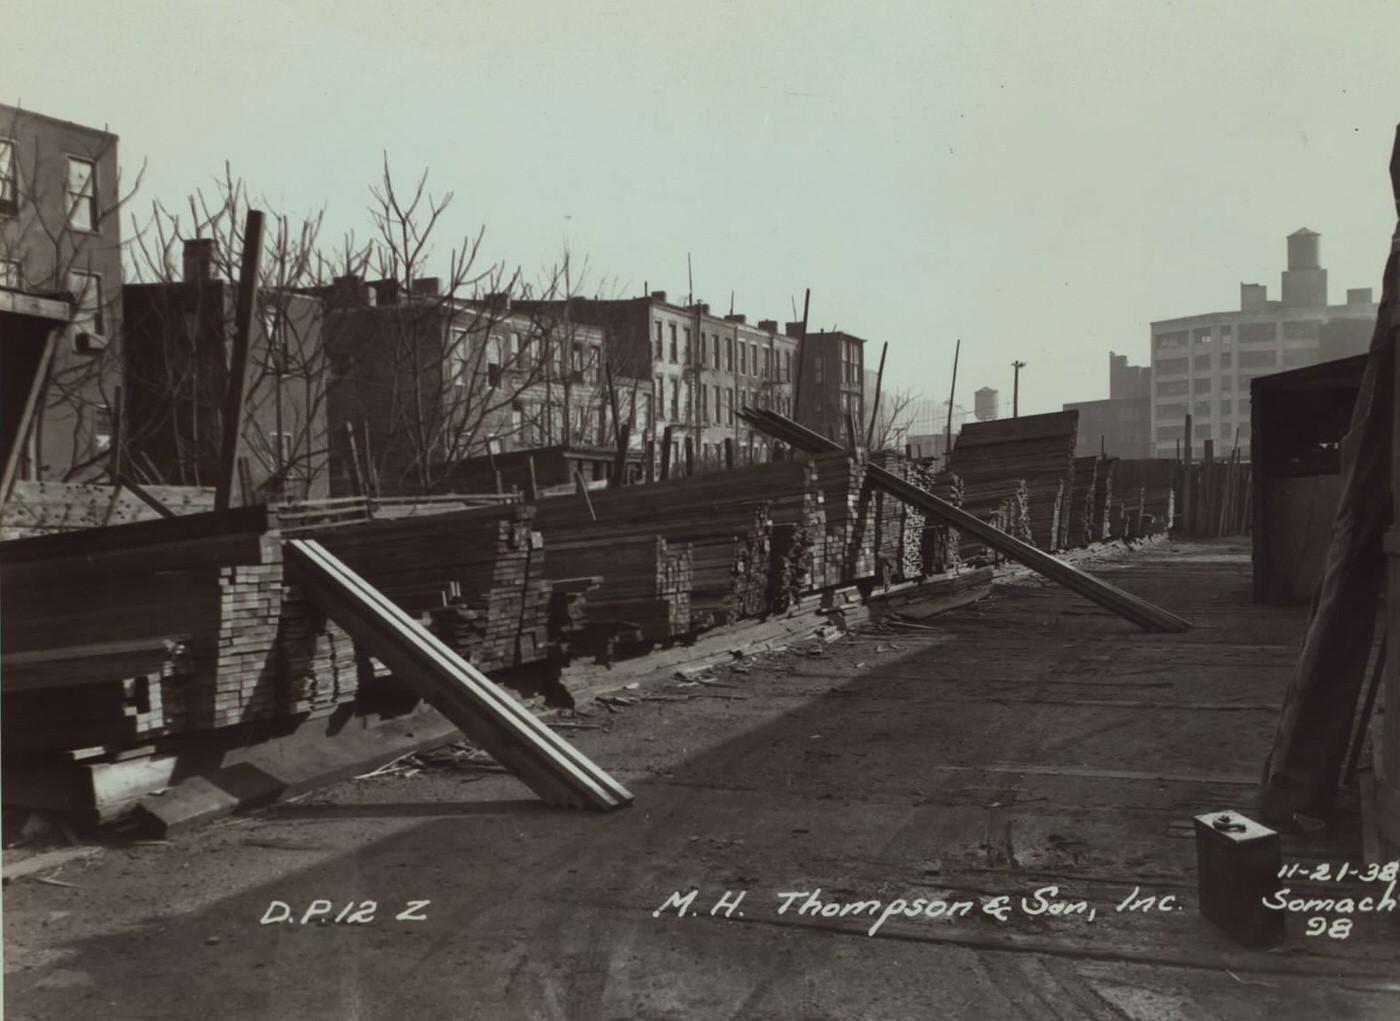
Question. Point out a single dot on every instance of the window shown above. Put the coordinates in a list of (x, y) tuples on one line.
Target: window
[(687, 345), (1227, 359), (660, 353), (675, 398), (673, 343), (705, 402), (10, 273), (1201, 363), (1258, 359), (1305, 329), (87, 289), (787, 366), (1200, 336), (767, 363), (1171, 366), (9, 181), (743, 358), (728, 354), (714, 348), (457, 360), (719, 405), (82, 194), (729, 415), (1200, 385), (1257, 333), (102, 428), (1170, 340)]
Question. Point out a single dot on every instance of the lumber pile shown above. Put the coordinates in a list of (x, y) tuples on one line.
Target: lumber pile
[(641, 581), (844, 552), (1126, 605), (475, 575), (38, 508), (941, 546), (1150, 480), (750, 535), (120, 634), (1020, 468)]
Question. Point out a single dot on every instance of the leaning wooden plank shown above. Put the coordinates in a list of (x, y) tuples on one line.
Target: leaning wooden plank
[(163, 531), (1126, 605), (547, 763)]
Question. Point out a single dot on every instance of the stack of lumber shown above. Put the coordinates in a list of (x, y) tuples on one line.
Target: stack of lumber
[(306, 517), (38, 508), (845, 551), (941, 545), (1021, 465), (726, 519), (118, 634), (475, 573), (1080, 513), (1152, 479), (1101, 517), (1125, 604), (640, 580), (568, 613)]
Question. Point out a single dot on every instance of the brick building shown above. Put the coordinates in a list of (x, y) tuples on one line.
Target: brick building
[(832, 385), (176, 344), (60, 236)]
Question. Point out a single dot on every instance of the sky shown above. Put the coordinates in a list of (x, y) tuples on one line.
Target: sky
[(1039, 181)]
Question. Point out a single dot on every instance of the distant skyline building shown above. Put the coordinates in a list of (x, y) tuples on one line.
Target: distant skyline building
[(1202, 364), (1121, 425)]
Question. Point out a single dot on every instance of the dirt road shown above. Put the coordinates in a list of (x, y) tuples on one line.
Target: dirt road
[(1032, 748)]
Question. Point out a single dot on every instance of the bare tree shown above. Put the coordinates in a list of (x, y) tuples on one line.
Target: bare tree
[(893, 419), (188, 261)]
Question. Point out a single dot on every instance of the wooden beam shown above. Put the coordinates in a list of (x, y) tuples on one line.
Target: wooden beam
[(235, 396), (32, 401), (545, 762)]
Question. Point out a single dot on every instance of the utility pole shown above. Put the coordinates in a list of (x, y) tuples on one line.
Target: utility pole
[(1016, 389)]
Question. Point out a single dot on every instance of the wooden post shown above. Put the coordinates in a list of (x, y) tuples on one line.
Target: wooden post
[(952, 392), (799, 355), (875, 408), (236, 393), (582, 488), (852, 431), (666, 453), (728, 452), (355, 460), (532, 487), (1209, 492), (619, 470), (1188, 506)]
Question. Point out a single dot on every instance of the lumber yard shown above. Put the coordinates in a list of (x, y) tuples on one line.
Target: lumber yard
[(713, 735)]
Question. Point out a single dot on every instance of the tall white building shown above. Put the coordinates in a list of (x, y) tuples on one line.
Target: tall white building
[(1202, 364)]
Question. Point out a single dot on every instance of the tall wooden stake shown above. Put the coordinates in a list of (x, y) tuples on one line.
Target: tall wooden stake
[(875, 408), (952, 391), (800, 354), (236, 394)]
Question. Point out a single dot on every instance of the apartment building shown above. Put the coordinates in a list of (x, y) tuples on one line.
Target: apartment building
[(419, 380), (702, 368), (833, 381), (60, 237), (1202, 365)]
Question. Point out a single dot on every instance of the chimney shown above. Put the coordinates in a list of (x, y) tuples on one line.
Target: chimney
[(768, 325), (1359, 296), (736, 317), (1254, 298), (793, 329), (198, 259), (658, 296), (498, 301), (426, 287), (386, 292)]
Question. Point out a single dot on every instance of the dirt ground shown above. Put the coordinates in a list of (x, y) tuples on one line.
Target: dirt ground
[(1032, 747)]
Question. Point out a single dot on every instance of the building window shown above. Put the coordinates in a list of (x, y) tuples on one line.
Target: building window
[(82, 194), (87, 289), (102, 428), (1200, 336), (660, 353), (675, 399), (743, 358), (1258, 333), (1170, 340), (767, 363), (714, 348), (1171, 366), (728, 354), (1201, 363), (729, 416), (704, 402), (673, 343), (686, 348), (10, 274), (719, 405), (9, 179)]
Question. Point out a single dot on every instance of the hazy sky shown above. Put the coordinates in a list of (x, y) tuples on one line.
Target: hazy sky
[(1041, 180)]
